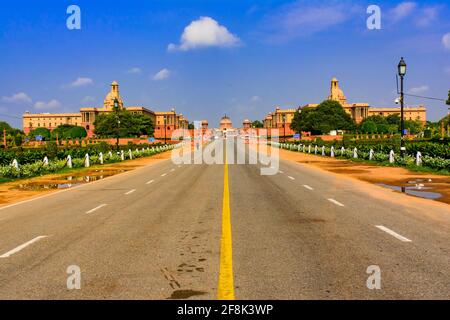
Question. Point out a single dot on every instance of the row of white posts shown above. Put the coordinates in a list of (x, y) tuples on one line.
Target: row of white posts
[(87, 159), (302, 148)]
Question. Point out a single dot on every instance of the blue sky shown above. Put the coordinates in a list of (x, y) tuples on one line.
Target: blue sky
[(207, 58)]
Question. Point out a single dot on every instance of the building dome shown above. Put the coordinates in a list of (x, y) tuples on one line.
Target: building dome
[(336, 94), (225, 122), (113, 95)]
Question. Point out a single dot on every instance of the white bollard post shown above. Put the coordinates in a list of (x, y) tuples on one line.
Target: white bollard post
[(342, 151), (122, 155), (391, 156), (110, 154), (371, 153), (323, 150), (130, 155), (299, 147), (355, 153), (418, 159), (45, 161), (87, 162), (69, 161), (309, 149), (304, 148), (15, 164), (100, 157), (315, 150), (332, 152)]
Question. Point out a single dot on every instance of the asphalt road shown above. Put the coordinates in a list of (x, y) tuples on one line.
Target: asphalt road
[(157, 233)]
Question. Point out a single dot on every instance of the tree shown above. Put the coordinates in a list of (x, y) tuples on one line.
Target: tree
[(327, 116), (413, 126), (65, 131), (44, 132), (368, 127), (393, 119), (257, 124), (131, 125), (191, 126), (448, 100)]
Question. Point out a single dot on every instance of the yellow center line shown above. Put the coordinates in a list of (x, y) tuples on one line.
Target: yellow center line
[(226, 283)]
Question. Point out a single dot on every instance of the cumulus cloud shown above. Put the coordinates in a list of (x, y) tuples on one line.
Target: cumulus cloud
[(162, 74), (52, 104), (20, 97), (419, 90), (446, 41), (134, 70), (81, 82), (205, 32)]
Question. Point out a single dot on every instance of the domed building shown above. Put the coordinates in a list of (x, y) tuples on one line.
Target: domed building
[(225, 123), (246, 124), (108, 103)]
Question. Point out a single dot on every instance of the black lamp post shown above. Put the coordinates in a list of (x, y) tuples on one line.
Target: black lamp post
[(402, 73), (116, 110), (165, 127), (284, 128)]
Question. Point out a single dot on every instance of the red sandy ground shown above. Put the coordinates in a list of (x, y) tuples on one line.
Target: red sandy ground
[(370, 173)]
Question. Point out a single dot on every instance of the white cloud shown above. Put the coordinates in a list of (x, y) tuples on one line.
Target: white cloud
[(134, 70), (52, 104), (446, 41), (88, 99), (301, 19), (402, 10), (428, 15), (162, 74), (419, 90), (20, 97), (255, 99), (81, 82), (205, 32)]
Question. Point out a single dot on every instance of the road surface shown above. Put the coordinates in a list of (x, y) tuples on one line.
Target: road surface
[(173, 231)]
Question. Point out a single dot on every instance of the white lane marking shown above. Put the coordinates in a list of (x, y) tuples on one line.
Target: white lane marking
[(292, 178), (172, 170), (393, 233), (307, 187), (280, 171), (130, 192), (164, 174), (336, 202), (96, 208), (81, 186), (21, 247), (151, 181)]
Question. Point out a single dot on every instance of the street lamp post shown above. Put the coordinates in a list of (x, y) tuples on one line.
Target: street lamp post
[(284, 128), (402, 73), (165, 127), (116, 110)]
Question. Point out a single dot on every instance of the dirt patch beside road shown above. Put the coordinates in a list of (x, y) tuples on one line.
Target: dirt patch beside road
[(24, 189), (426, 185)]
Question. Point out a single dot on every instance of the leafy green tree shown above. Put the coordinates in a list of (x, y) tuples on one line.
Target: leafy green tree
[(191, 126), (69, 131), (448, 100), (5, 125), (44, 132), (393, 119), (257, 124), (368, 126), (131, 125), (327, 116), (413, 126)]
